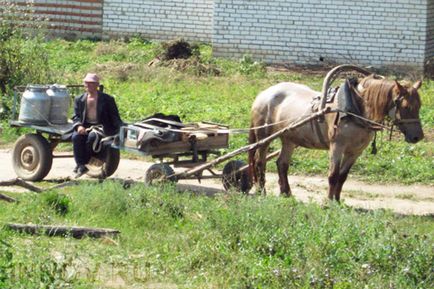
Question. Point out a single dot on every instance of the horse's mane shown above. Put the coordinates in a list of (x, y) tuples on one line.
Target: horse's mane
[(376, 96)]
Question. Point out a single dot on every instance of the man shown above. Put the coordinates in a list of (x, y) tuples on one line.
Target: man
[(91, 109)]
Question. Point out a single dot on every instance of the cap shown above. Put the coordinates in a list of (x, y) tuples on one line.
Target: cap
[(91, 77)]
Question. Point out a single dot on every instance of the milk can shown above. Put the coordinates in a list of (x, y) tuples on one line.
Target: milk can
[(35, 105), (60, 101)]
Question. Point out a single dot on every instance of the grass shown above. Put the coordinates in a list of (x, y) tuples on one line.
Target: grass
[(361, 195), (173, 240), (141, 90), (227, 241)]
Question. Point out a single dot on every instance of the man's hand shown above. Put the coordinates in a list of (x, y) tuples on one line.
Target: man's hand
[(81, 130)]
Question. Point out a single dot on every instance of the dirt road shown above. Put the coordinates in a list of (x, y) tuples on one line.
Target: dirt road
[(414, 199)]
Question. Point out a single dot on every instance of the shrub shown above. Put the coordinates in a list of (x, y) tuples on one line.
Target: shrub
[(23, 58)]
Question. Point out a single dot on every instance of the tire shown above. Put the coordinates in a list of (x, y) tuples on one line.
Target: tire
[(236, 180), (158, 173), (32, 157), (104, 164)]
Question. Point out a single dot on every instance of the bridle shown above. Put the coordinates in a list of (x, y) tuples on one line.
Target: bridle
[(394, 114)]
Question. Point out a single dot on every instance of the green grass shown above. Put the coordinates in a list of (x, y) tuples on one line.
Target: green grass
[(228, 241), (173, 240), (141, 90)]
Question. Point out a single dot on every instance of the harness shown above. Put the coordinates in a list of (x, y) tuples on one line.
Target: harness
[(394, 115), (347, 105)]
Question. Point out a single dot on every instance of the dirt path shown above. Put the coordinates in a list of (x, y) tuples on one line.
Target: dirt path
[(414, 199)]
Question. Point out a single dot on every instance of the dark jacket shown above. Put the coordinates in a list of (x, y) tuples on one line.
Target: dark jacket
[(106, 111)]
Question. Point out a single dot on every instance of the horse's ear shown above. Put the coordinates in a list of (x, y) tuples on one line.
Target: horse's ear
[(417, 84), (398, 87)]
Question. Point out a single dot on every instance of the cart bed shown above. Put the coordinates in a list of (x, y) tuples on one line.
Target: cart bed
[(55, 129), (174, 139)]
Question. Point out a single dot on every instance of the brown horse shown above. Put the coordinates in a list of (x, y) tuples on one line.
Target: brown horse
[(344, 136)]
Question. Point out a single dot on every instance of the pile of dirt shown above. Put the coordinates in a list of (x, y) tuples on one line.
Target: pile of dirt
[(182, 56), (177, 49)]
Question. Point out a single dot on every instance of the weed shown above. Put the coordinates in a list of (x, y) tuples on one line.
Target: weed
[(250, 67), (406, 196), (59, 202)]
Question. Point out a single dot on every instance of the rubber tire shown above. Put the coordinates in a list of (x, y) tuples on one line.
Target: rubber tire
[(104, 164), (38, 153), (157, 171), (240, 181)]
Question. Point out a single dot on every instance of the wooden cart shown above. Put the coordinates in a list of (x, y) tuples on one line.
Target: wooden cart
[(176, 144), (33, 153)]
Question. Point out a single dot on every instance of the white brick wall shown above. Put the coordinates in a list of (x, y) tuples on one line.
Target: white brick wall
[(367, 32), (430, 30), (163, 20)]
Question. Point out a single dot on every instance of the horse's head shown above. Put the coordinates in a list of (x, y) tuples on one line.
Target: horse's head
[(405, 111)]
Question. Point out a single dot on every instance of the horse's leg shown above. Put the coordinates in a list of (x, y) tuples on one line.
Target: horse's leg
[(261, 165), (336, 153), (347, 162), (283, 165)]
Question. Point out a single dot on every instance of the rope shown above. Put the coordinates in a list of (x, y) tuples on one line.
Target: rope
[(364, 119), (247, 130), (218, 131), (100, 137)]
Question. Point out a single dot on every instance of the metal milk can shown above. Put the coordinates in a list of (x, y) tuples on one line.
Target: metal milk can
[(35, 105), (60, 101)]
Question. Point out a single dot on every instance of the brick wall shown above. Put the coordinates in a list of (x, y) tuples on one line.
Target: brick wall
[(383, 33), (430, 30), (73, 18), (162, 20), (374, 32)]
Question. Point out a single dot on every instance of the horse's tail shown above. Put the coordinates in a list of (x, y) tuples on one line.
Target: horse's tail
[(252, 160)]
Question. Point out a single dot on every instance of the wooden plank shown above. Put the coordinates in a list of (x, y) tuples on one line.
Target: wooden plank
[(21, 183), (7, 198), (210, 143), (63, 231)]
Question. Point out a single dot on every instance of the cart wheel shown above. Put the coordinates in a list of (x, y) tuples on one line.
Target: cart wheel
[(233, 179), (104, 164), (158, 173), (32, 157)]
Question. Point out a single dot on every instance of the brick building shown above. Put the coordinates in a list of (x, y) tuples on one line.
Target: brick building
[(382, 33)]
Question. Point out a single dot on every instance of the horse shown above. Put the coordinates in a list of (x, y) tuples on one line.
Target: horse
[(344, 135)]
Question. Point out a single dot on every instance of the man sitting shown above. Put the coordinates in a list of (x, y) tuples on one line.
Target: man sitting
[(90, 109)]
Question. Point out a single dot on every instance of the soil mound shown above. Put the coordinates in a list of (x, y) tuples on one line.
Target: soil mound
[(182, 56)]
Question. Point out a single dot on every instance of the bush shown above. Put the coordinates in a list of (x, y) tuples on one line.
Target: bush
[(23, 57)]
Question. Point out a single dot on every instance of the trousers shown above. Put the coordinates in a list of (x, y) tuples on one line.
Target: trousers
[(82, 147)]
